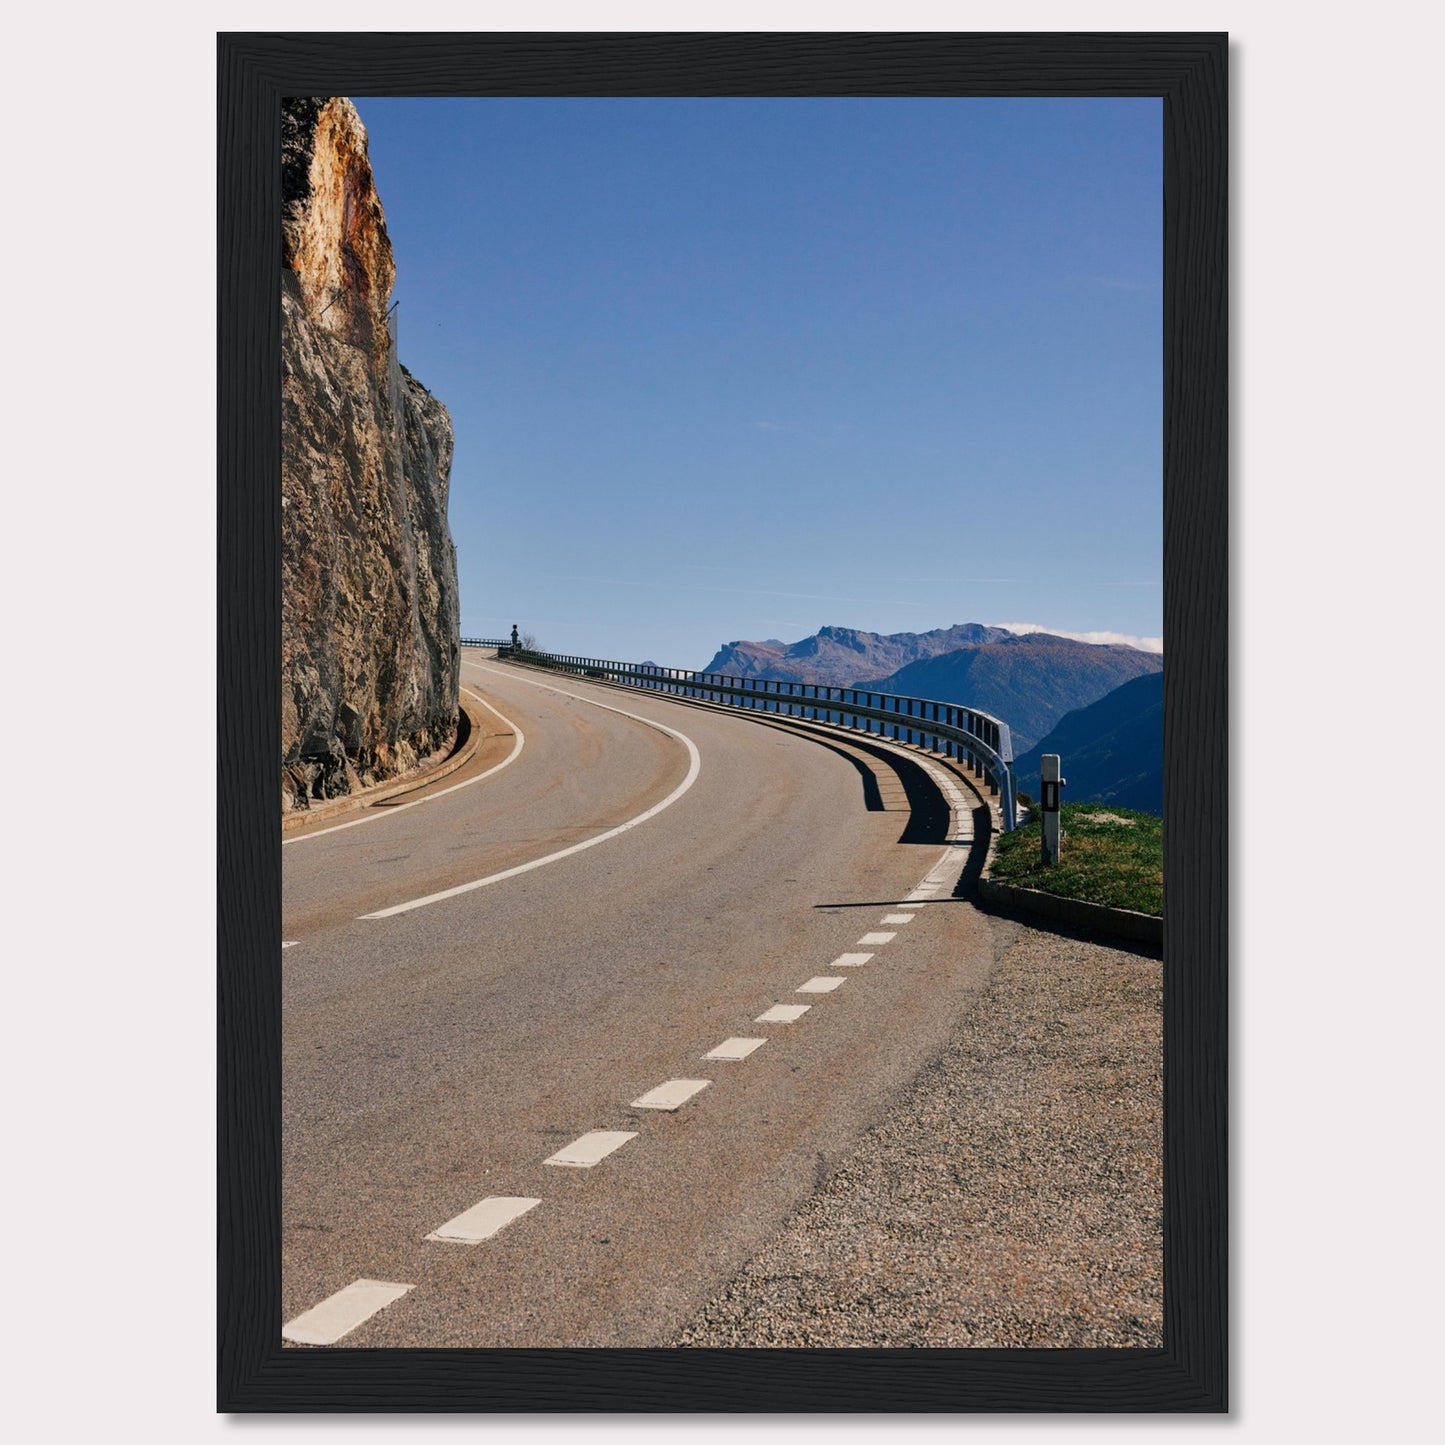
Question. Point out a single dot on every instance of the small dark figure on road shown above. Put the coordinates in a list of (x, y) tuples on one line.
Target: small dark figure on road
[(516, 640)]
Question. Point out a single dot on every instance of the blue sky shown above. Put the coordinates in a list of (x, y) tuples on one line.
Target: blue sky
[(740, 368)]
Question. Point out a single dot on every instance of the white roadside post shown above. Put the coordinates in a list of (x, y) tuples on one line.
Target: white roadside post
[(1049, 805)]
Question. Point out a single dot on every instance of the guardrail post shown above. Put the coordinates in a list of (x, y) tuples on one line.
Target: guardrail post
[(1049, 805)]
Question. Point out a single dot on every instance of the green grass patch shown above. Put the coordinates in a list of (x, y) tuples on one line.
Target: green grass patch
[(1109, 855)]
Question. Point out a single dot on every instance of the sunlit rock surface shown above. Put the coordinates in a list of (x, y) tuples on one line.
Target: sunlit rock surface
[(369, 659)]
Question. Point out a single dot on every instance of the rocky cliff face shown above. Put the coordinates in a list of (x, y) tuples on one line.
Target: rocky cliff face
[(369, 654)]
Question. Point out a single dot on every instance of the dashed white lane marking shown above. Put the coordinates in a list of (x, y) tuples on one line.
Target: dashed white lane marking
[(671, 1095), (583, 1153), (325, 1323), (851, 960), (482, 1220), (735, 1048), (694, 766), (337, 1316), (392, 809)]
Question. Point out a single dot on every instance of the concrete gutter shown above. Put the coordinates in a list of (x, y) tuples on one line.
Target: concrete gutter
[(471, 733)]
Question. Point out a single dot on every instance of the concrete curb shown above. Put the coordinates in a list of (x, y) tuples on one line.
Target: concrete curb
[(421, 777), (1088, 918)]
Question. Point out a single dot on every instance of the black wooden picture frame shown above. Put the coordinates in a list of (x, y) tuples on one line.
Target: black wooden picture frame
[(1189, 73)]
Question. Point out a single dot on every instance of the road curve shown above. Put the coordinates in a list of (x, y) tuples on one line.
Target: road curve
[(436, 1059), (427, 792)]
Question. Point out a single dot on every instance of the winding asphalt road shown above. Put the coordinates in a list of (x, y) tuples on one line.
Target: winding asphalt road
[(439, 1051)]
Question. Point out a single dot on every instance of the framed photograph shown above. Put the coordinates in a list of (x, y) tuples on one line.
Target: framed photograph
[(895, 304)]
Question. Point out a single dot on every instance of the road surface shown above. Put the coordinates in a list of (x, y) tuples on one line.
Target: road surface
[(453, 1038)]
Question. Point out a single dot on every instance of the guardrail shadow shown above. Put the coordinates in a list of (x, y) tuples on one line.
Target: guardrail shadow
[(965, 889), (967, 885), (928, 811), (872, 794)]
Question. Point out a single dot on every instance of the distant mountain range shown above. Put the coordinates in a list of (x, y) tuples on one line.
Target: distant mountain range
[(843, 656), (1111, 751), (1029, 680)]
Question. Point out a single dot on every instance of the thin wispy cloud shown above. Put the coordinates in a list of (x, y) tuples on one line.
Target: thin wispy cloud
[(1144, 644)]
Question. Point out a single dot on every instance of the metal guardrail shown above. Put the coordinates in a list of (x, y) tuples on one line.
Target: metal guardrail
[(975, 738)]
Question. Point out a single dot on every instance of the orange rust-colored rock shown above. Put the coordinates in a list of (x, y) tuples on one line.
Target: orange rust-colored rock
[(333, 231), (369, 591)]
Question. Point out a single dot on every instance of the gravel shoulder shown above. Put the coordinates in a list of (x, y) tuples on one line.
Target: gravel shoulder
[(1010, 1197)]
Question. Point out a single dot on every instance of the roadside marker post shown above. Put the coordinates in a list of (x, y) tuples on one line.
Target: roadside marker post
[(1049, 805)]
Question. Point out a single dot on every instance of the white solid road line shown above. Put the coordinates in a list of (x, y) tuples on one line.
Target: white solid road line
[(671, 1095), (735, 1048), (875, 939), (325, 1323), (898, 917), (389, 810), (851, 960), (694, 766), (583, 1153), (783, 1013), (482, 1220), (821, 985)]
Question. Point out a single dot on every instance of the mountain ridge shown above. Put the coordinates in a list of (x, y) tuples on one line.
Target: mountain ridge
[(1111, 751), (1029, 680), (843, 656)]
